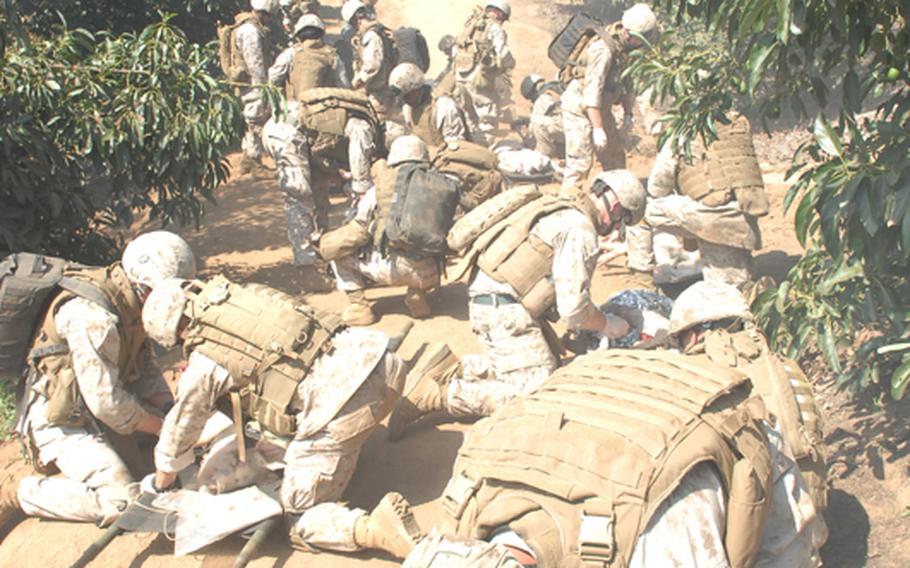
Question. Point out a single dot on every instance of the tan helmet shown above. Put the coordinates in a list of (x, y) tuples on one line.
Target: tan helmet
[(407, 77), (705, 302), (640, 19), (162, 311), (501, 5), (152, 257), (270, 6), (408, 148), (350, 9), (308, 21), (628, 189)]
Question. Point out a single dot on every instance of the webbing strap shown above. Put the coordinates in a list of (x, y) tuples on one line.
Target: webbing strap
[(237, 415)]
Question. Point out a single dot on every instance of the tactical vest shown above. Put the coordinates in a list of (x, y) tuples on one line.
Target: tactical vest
[(380, 81), (327, 111), (787, 394), (312, 67), (477, 169), (727, 170), (578, 467), (577, 64), (424, 126), (473, 47), (230, 55), (509, 253), (63, 391), (264, 338)]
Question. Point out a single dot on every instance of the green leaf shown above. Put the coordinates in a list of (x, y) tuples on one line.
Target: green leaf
[(826, 137), (852, 92), (893, 348), (900, 380), (829, 348), (844, 273)]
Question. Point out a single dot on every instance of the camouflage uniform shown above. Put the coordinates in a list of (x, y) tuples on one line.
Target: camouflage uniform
[(726, 236), (288, 147), (253, 47), (320, 460), (483, 100), (388, 269), (517, 357), (371, 70), (96, 484), (580, 95), (449, 119), (546, 124)]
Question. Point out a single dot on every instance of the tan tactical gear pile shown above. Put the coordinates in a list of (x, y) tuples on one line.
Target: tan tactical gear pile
[(266, 340), (727, 170), (579, 466)]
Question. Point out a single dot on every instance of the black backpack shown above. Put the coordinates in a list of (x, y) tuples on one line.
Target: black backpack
[(28, 282), (412, 48), (563, 45), (422, 210)]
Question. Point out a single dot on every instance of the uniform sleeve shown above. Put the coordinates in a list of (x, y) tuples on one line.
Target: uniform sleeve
[(371, 57), (341, 74), (500, 42), (449, 120), (279, 71), (599, 62), (151, 381), (662, 180), (574, 258), (252, 48), (199, 387), (94, 343)]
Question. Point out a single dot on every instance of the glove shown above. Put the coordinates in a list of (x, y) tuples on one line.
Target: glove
[(615, 327), (600, 138), (147, 485), (627, 122)]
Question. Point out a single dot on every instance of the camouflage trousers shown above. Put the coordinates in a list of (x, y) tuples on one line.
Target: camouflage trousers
[(516, 360), (319, 467), (288, 147), (481, 110), (356, 272), (95, 485), (580, 150), (255, 113), (361, 146), (549, 134), (437, 550)]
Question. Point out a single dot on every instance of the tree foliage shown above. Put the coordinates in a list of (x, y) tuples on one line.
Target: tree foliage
[(94, 127), (825, 61)]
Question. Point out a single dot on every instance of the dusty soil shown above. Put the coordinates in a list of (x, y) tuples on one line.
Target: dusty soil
[(244, 237)]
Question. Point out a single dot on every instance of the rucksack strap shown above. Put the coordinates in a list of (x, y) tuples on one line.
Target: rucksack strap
[(88, 291)]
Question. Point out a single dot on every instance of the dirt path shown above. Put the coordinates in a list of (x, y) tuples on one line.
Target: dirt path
[(244, 238)]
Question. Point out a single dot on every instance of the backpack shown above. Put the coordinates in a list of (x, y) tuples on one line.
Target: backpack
[(232, 64), (472, 46), (28, 282), (422, 210), (327, 110), (476, 167), (569, 44), (412, 48)]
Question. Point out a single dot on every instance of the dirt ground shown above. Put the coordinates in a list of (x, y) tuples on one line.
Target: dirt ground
[(244, 238)]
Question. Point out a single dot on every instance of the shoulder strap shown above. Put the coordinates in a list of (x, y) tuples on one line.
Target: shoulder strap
[(87, 290)]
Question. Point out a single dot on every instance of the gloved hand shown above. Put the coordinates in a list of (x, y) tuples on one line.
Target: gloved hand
[(615, 327), (600, 138), (627, 121), (147, 485)]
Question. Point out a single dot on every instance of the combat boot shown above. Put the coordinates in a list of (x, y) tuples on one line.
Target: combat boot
[(9, 499), (415, 300), (314, 280), (359, 312), (390, 527), (425, 389)]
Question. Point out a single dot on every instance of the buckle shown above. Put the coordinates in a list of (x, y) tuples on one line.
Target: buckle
[(457, 493), (596, 539)]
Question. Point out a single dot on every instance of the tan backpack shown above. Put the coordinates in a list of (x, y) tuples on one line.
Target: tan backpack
[(476, 167)]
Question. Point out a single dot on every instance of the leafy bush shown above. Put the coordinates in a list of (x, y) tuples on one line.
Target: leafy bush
[(849, 297), (96, 127)]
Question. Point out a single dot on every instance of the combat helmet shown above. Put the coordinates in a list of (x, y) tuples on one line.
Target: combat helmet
[(406, 77), (628, 189), (501, 5), (529, 86), (152, 257), (640, 19), (162, 311), (308, 21), (350, 9), (270, 6), (408, 148), (705, 302)]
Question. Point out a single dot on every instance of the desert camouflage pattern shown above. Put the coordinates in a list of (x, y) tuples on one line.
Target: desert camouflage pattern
[(484, 100), (516, 360), (288, 147), (546, 124), (448, 119), (280, 71), (251, 45), (361, 145), (320, 460), (437, 550), (95, 483)]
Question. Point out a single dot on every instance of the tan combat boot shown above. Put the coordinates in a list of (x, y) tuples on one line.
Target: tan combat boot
[(416, 302), (425, 388), (390, 527), (9, 500), (314, 280), (359, 311)]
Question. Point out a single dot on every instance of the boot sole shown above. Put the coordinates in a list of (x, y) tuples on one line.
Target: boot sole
[(395, 511)]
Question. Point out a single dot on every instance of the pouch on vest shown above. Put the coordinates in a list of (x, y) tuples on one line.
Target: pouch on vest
[(476, 167), (312, 67), (27, 283), (489, 213), (422, 210), (328, 110), (344, 241)]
